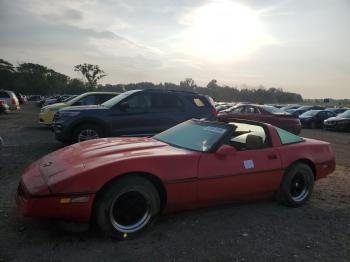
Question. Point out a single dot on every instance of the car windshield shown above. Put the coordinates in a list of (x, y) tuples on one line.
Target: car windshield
[(274, 110), (115, 100), (346, 114), (310, 113), (68, 99), (194, 135)]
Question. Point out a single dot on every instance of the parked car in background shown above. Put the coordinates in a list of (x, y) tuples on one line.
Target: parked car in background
[(337, 110), (284, 108), (4, 108), (262, 113), (303, 109), (10, 98), (220, 108), (34, 98), (341, 122), (115, 183), (21, 98), (315, 118), (66, 99), (53, 100), (133, 113), (91, 98)]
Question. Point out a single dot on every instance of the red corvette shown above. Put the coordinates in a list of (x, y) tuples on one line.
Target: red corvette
[(124, 184)]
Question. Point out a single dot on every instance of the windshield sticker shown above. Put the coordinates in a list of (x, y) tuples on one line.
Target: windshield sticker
[(215, 129), (248, 164)]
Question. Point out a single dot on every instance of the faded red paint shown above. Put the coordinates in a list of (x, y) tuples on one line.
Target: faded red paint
[(191, 179)]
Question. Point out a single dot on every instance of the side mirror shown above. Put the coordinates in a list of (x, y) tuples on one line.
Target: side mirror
[(123, 106), (226, 150)]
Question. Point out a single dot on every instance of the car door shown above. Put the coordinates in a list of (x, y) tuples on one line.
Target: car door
[(132, 116), (320, 117), (250, 173)]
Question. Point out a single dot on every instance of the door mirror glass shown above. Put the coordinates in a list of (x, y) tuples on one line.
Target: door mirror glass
[(226, 150)]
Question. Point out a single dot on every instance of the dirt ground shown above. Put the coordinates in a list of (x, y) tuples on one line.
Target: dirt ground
[(260, 231)]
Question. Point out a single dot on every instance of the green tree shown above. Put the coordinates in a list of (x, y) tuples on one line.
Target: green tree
[(7, 75), (92, 73), (188, 83), (6, 66), (213, 84)]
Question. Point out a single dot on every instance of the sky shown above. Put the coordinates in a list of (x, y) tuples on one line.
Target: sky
[(300, 46)]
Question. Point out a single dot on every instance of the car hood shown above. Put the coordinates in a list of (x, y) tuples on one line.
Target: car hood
[(55, 106), (84, 108), (336, 118), (86, 156)]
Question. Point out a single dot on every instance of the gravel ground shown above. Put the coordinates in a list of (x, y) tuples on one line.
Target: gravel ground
[(260, 231)]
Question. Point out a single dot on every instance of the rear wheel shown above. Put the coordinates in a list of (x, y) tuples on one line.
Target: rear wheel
[(127, 207), (86, 132), (297, 185)]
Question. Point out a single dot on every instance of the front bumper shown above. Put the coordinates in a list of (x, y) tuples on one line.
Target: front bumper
[(61, 133), (50, 207), (336, 126), (46, 118)]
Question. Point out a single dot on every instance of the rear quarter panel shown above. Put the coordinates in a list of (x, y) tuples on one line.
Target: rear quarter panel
[(319, 153)]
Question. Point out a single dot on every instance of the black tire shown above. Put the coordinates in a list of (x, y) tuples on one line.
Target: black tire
[(80, 129), (118, 195), (297, 185)]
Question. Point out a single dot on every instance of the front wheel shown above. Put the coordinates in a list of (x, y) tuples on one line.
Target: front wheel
[(127, 207), (86, 132), (297, 185)]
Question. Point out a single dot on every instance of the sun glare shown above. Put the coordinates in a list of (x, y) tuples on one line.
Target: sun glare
[(223, 30)]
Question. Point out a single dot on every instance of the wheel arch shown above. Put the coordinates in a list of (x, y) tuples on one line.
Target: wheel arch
[(307, 162), (92, 121), (155, 180)]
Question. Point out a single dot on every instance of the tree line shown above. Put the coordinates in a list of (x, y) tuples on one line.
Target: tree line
[(29, 78)]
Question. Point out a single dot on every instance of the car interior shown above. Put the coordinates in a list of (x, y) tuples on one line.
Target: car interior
[(248, 137)]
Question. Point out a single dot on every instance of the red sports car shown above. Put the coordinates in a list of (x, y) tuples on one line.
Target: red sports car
[(262, 113), (124, 184)]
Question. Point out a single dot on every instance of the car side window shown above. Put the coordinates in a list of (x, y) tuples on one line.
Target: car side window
[(196, 101), (330, 114), (249, 137), (165, 101), (88, 100), (137, 103), (322, 114), (4, 95), (288, 138), (101, 98), (250, 110), (238, 110)]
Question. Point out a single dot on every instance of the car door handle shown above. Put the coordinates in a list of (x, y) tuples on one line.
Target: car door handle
[(272, 156)]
